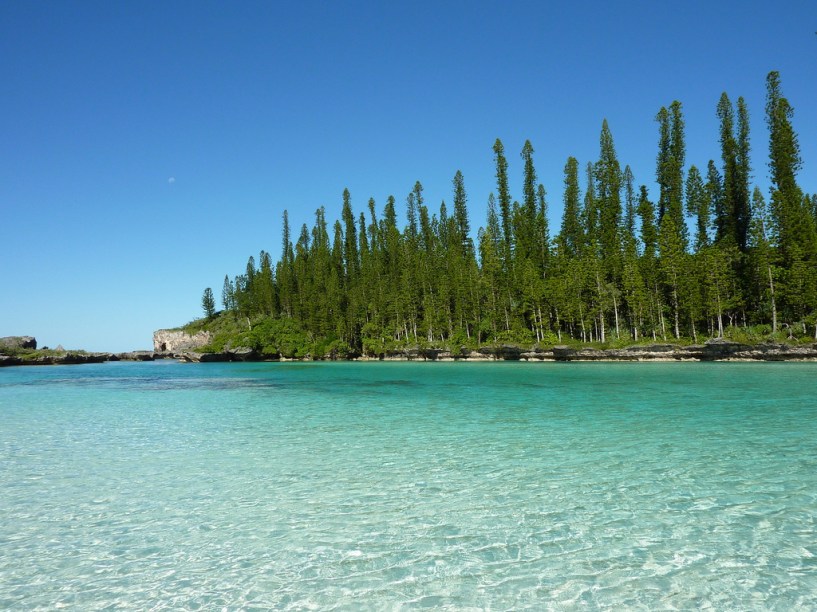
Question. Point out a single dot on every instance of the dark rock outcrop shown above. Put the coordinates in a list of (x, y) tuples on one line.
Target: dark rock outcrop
[(7, 360), (18, 342), (237, 354), (137, 356), (67, 358)]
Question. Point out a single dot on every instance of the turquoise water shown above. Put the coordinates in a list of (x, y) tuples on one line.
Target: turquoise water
[(408, 485)]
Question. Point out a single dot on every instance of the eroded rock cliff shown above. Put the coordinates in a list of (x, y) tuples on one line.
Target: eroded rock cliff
[(176, 341)]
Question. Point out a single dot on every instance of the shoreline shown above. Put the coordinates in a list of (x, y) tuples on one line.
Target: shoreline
[(75, 357), (710, 351), (718, 350)]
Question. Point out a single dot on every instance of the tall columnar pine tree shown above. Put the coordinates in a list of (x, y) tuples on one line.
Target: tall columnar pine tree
[(608, 189), (733, 217), (628, 229), (525, 225), (743, 207), (632, 282), (464, 266), (531, 242), (571, 237), (698, 205), (662, 161), (285, 271), (792, 221), (265, 285), (228, 294), (603, 208), (672, 231), (763, 259), (490, 241), (351, 257), (463, 227), (543, 229), (208, 303), (504, 196), (649, 271), (590, 211), (726, 215)]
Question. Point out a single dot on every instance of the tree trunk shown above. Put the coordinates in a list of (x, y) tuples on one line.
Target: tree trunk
[(675, 307), (615, 311), (601, 308), (663, 322), (720, 316), (774, 305), (581, 320)]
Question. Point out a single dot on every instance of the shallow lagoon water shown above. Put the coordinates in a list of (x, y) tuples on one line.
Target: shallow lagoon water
[(409, 485)]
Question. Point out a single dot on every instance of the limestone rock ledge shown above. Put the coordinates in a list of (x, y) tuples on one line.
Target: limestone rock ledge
[(177, 341), (713, 350)]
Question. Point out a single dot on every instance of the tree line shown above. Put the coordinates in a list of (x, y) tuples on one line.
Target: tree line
[(622, 266)]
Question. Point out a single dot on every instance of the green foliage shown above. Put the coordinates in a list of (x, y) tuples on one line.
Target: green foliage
[(208, 303), (27, 354), (277, 337)]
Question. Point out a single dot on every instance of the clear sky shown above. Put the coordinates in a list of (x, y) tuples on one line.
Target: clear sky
[(149, 148)]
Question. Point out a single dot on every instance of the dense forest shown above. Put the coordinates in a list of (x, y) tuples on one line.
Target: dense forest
[(706, 256)]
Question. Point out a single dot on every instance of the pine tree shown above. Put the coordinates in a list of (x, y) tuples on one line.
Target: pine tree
[(734, 213), (208, 303), (726, 221), (608, 189), (672, 229), (763, 258), (632, 282), (714, 191), (664, 154), (285, 272), (264, 285), (228, 294), (629, 203), (350, 253), (649, 271), (542, 238), (525, 225), (792, 222), (504, 196), (590, 211), (571, 237), (698, 206), (743, 207), (490, 241), (461, 213)]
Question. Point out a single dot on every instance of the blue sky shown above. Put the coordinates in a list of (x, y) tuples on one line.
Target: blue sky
[(149, 148)]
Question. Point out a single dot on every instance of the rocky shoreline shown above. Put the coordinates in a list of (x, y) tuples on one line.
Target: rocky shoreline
[(712, 350), (716, 350), (77, 357)]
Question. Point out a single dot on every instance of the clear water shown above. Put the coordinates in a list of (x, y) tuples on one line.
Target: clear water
[(408, 485)]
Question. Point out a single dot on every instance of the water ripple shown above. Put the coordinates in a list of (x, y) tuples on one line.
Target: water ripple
[(165, 489)]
